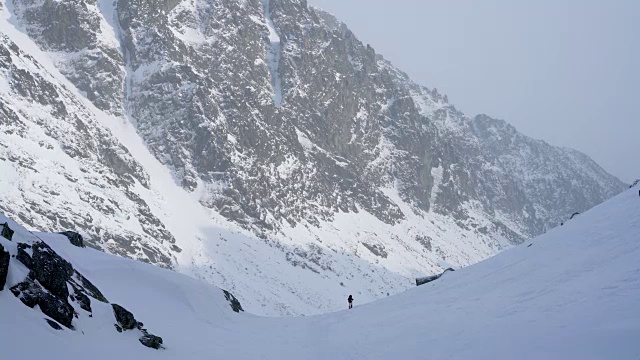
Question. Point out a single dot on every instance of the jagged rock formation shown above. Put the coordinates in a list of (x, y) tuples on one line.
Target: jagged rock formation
[(47, 283), (275, 116)]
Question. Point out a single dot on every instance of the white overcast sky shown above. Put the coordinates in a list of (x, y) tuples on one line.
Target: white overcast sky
[(565, 71)]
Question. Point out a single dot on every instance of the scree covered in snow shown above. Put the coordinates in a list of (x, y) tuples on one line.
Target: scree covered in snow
[(572, 293)]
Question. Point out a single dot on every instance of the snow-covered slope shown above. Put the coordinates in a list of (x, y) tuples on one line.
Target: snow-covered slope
[(260, 146), (571, 293)]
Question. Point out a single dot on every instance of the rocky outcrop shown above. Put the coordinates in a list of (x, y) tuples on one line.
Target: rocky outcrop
[(6, 232), (235, 304), (47, 286), (151, 341), (32, 294), (124, 318), (53, 286), (24, 251), (87, 287), (74, 238), (126, 321), (5, 257), (51, 270), (428, 279), (47, 283)]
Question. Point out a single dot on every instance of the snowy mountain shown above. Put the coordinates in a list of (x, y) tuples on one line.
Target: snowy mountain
[(571, 293), (260, 146)]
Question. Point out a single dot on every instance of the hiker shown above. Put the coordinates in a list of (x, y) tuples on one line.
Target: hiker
[(350, 300)]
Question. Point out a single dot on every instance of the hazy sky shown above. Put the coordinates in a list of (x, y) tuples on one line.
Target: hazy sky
[(565, 71)]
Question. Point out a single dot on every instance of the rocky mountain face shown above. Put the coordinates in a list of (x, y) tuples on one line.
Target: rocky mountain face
[(268, 122)]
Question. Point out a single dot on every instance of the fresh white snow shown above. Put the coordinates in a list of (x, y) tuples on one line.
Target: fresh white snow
[(571, 293)]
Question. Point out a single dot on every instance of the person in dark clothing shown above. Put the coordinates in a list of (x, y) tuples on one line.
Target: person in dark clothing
[(350, 300)]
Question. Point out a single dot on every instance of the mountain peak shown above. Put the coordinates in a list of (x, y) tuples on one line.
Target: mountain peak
[(241, 146)]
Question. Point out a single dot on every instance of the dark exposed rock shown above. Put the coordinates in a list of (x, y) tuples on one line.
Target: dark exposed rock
[(428, 279), (28, 292), (74, 238), (53, 275), (54, 324), (51, 270), (377, 250), (23, 256), (82, 299), (235, 304), (90, 289), (151, 341), (32, 294), (5, 257), (6, 232), (125, 319)]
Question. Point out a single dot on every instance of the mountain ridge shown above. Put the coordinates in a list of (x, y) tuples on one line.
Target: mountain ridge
[(145, 111)]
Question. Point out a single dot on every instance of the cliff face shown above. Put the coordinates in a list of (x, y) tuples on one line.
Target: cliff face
[(278, 121)]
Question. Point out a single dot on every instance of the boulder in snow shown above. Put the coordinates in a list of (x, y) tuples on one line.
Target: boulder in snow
[(74, 238), (151, 341), (6, 232), (124, 317), (126, 321)]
